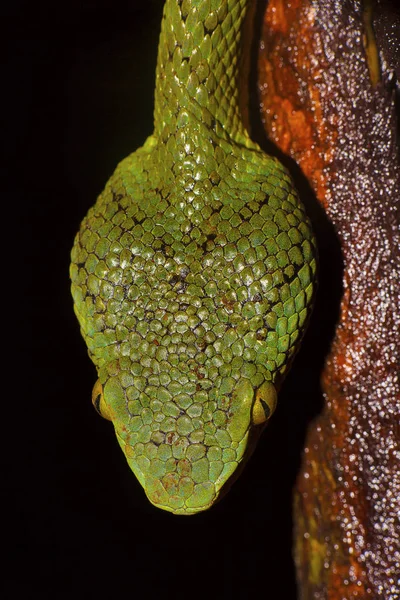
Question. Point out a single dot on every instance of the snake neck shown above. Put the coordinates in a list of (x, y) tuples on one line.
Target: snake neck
[(198, 70)]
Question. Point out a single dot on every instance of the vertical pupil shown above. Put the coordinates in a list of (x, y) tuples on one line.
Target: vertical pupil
[(97, 403), (266, 408)]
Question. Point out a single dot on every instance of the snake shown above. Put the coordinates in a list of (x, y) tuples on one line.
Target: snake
[(194, 274)]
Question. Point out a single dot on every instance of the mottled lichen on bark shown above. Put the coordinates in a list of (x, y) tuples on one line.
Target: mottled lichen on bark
[(321, 107)]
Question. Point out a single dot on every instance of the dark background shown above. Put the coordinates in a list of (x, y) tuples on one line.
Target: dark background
[(77, 89)]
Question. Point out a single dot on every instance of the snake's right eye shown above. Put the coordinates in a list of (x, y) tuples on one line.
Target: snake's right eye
[(98, 400)]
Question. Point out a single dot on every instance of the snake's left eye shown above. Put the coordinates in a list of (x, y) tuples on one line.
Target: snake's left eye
[(98, 400), (264, 404)]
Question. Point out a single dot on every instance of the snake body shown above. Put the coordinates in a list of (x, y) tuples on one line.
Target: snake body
[(193, 276)]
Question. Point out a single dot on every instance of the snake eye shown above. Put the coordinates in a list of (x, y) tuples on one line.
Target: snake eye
[(264, 404), (98, 400)]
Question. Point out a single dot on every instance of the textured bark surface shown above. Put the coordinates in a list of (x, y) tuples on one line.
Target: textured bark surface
[(328, 99)]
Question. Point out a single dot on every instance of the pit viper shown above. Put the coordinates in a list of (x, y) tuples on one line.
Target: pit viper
[(193, 275)]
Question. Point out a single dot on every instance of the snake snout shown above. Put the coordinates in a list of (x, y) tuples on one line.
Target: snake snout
[(185, 449), (178, 493)]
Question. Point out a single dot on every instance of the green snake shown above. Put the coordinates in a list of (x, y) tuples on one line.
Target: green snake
[(193, 275)]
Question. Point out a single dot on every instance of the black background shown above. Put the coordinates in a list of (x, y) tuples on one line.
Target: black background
[(77, 86)]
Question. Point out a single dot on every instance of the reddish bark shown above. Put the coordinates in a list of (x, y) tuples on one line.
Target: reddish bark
[(325, 103)]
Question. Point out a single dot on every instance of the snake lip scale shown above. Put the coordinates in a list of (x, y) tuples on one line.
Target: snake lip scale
[(193, 275)]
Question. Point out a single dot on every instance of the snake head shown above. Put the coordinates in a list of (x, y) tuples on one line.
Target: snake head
[(185, 452), (192, 300)]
